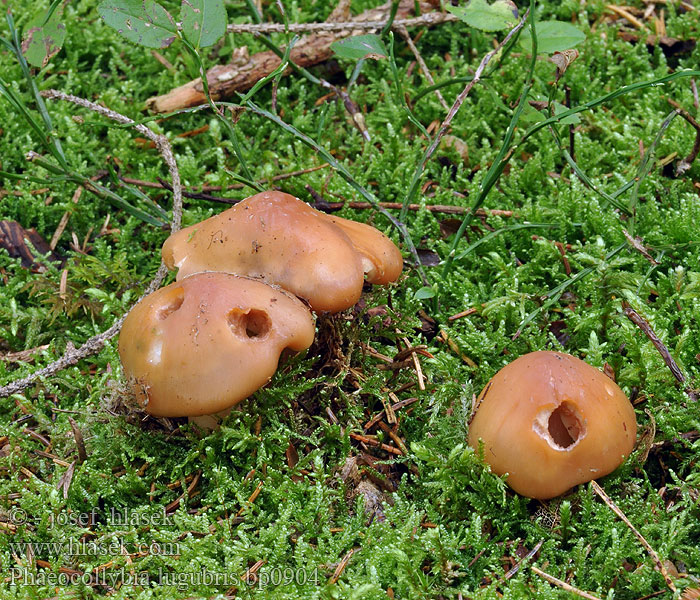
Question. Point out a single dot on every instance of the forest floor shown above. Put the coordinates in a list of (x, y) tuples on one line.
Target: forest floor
[(310, 489)]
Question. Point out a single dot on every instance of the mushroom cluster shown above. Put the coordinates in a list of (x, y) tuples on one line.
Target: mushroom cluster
[(282, 240), (204, 343), (551, 421)]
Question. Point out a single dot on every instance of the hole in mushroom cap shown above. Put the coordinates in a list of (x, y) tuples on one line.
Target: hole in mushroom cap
[(561, 428), (175, 301), (564, 425), (252, 323)]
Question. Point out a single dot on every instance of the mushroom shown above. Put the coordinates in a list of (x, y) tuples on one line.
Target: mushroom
[(282, 240), (551, 421), (203, 344), (381, 260)]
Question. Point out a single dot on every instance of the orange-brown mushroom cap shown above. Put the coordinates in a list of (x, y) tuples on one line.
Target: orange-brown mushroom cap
[(203, 344), (551, 421), (282, 240), (381, 259)]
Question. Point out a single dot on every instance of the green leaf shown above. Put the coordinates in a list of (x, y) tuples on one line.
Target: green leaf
[(360, 46), (570, 120), (502, 14), (203, 21), (424, 293), (553, 36), (532, 115), (44, 38), (144, 22)]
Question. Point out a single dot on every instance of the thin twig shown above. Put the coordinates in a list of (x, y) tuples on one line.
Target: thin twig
[(684, 164), (654, 556), (320, 204), (218, 188), (373, 442), (64, 219), (433, 18), (388, 410), (455, 348), (341, 566), (79, 441), (513, 571), (437, 208), (250, 576), (397, 440), (464, 313), (173, 506), (457, 104), (394, 407), (565, 260), (160, 141), (626, 15), (416, 365), (637, 244), (93, 345), (562, 584), (72, 356), (642, 323), (253, 497), (403, 32)]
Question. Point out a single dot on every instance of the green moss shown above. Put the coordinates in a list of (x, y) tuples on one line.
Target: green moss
[(236, 496)]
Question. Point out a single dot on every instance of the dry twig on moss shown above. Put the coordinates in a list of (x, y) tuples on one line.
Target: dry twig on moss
[(643, 324), (563, 585), (245, 71), (92, 346), (403, 32), (652, 553), (467, 89)]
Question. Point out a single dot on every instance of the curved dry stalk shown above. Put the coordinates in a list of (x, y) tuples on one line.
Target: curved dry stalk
[(93, 345), (160, 141)]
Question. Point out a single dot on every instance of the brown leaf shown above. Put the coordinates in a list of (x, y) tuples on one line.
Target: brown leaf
[(428, 258), (14, 238), (636, 243), (538, 104), (563, 60), (449, 227), (671, 47), (372, 498), (429, 327), (77, 434), (559, 331), (609, 371), (292, 456), (350, 474), (66, 480)]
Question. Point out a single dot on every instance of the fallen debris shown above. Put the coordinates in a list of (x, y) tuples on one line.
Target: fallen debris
[(246, 71)]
